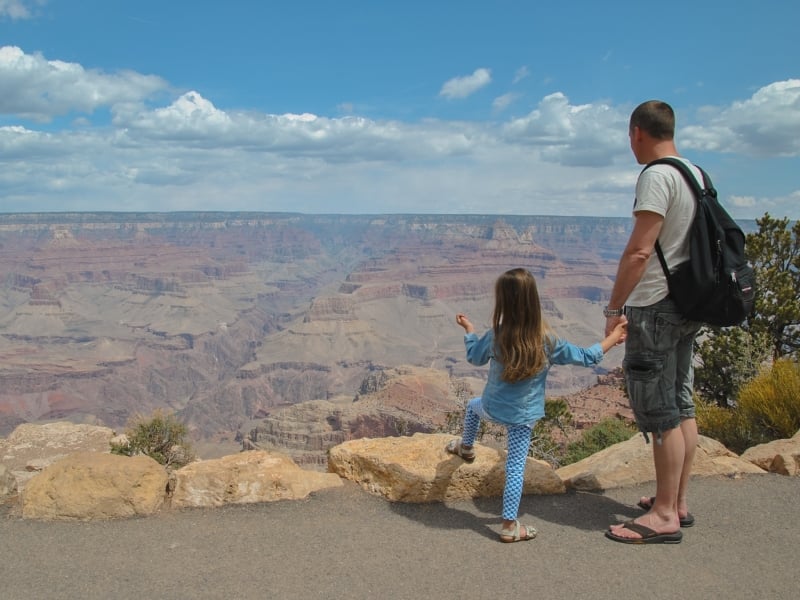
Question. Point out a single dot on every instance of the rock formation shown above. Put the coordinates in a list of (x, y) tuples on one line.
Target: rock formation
[(245, 478), (96, 485), (631, 462), (417, 469), (780, 456), (221, 317), (31, 448)]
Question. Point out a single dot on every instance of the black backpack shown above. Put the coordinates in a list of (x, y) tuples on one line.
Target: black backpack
[(716, 285)]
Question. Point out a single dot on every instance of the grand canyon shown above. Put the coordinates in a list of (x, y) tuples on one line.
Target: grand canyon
[(280, 330)]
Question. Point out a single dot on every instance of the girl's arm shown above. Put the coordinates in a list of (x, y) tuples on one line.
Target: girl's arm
[(565, 353), (462, 320)]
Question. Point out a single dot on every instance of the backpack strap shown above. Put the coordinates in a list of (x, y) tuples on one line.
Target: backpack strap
[(699, 192), (707, 188)]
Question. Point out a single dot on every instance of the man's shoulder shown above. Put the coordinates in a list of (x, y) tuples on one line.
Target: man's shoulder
[(661, 171)]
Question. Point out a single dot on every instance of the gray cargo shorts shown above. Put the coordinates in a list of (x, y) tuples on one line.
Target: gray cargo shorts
[(658, 366)]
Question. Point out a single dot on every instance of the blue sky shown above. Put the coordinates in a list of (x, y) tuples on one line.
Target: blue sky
[(505, 107)]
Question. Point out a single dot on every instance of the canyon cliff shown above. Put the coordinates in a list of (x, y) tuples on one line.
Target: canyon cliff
[(231, 319)]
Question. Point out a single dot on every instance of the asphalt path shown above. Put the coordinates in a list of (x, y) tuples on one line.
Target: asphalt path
[(347, 544)]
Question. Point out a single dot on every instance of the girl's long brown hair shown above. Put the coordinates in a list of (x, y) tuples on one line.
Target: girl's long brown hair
[(519, 329)]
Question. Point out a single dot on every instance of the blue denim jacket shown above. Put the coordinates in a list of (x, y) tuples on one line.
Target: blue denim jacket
[(522, 403)]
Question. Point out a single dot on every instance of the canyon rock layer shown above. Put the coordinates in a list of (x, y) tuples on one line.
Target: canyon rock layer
[(277, 328)]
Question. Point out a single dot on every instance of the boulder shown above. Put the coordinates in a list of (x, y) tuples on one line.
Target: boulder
[(88, 486), (779, 456), (417, 469), (253, 476), (30, 448), (631, 462)]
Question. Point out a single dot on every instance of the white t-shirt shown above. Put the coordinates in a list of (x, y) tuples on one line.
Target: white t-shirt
[(663, 190)]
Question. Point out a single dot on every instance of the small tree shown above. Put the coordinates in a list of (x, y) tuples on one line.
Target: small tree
[(775, 253), (727, 359), (543, 444), (730, 357), (160, 436)]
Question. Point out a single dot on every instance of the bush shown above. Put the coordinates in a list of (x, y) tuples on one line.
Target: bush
[(160, 436), (772, 400), (557, 418), (606, 433), (768, 409)]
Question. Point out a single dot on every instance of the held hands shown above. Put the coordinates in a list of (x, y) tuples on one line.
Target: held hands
[(462, 320), (616, 330)]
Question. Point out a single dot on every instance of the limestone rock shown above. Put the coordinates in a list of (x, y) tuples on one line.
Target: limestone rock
[(631, 463), (92, 486), (30, 448), (8, 483), (254, 476), (389, 402), (779, 456), (418, 469)]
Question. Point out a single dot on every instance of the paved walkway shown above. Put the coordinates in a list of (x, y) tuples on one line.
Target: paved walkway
[(346, 544)]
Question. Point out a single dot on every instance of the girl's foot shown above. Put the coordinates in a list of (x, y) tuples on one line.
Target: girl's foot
[(517, 533), (459, 449)]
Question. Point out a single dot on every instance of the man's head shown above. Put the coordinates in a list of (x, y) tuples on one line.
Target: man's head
[(652, 129), (655, 118)]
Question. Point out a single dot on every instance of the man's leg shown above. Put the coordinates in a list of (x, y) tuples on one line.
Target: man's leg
[(684, 386), (689, 432), (656, 365), (669, 457)]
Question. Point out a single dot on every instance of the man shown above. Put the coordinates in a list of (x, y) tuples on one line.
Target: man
[(659, 343)]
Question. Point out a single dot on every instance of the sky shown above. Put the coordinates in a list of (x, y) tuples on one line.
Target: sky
[(370, 107)]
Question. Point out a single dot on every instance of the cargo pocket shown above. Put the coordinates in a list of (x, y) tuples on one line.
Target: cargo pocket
[(642, 378)]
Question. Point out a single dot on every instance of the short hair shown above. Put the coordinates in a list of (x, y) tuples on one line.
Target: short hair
[(656, 118)]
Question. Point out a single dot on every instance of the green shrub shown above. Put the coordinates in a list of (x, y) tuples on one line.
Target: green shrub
[(771, 401), (606, 433), (768, 409), (160, 436)]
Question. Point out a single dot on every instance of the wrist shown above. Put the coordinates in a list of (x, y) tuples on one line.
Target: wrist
[(613, 312)]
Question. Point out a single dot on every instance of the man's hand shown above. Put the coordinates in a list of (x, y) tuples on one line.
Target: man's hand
[(612, 323)]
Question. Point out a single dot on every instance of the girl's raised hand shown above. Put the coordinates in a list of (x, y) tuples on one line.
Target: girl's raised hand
[(462, 320)]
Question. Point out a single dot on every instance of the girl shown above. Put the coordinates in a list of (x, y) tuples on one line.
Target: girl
[(520, 350)]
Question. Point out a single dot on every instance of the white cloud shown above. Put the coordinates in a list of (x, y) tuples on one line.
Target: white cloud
[(752, 207), (19, 9), (580, 135), (741, 201), (40, 89), (194, 121), (766, 124), (521, 74), (188, 153), (189, 117), (501, 103), (461, 87)]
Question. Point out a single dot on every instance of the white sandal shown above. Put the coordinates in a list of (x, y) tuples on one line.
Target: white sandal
[(514, 534), (457, 448)]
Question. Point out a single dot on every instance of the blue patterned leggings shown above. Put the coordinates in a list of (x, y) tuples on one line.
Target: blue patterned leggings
[(519, 440)]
